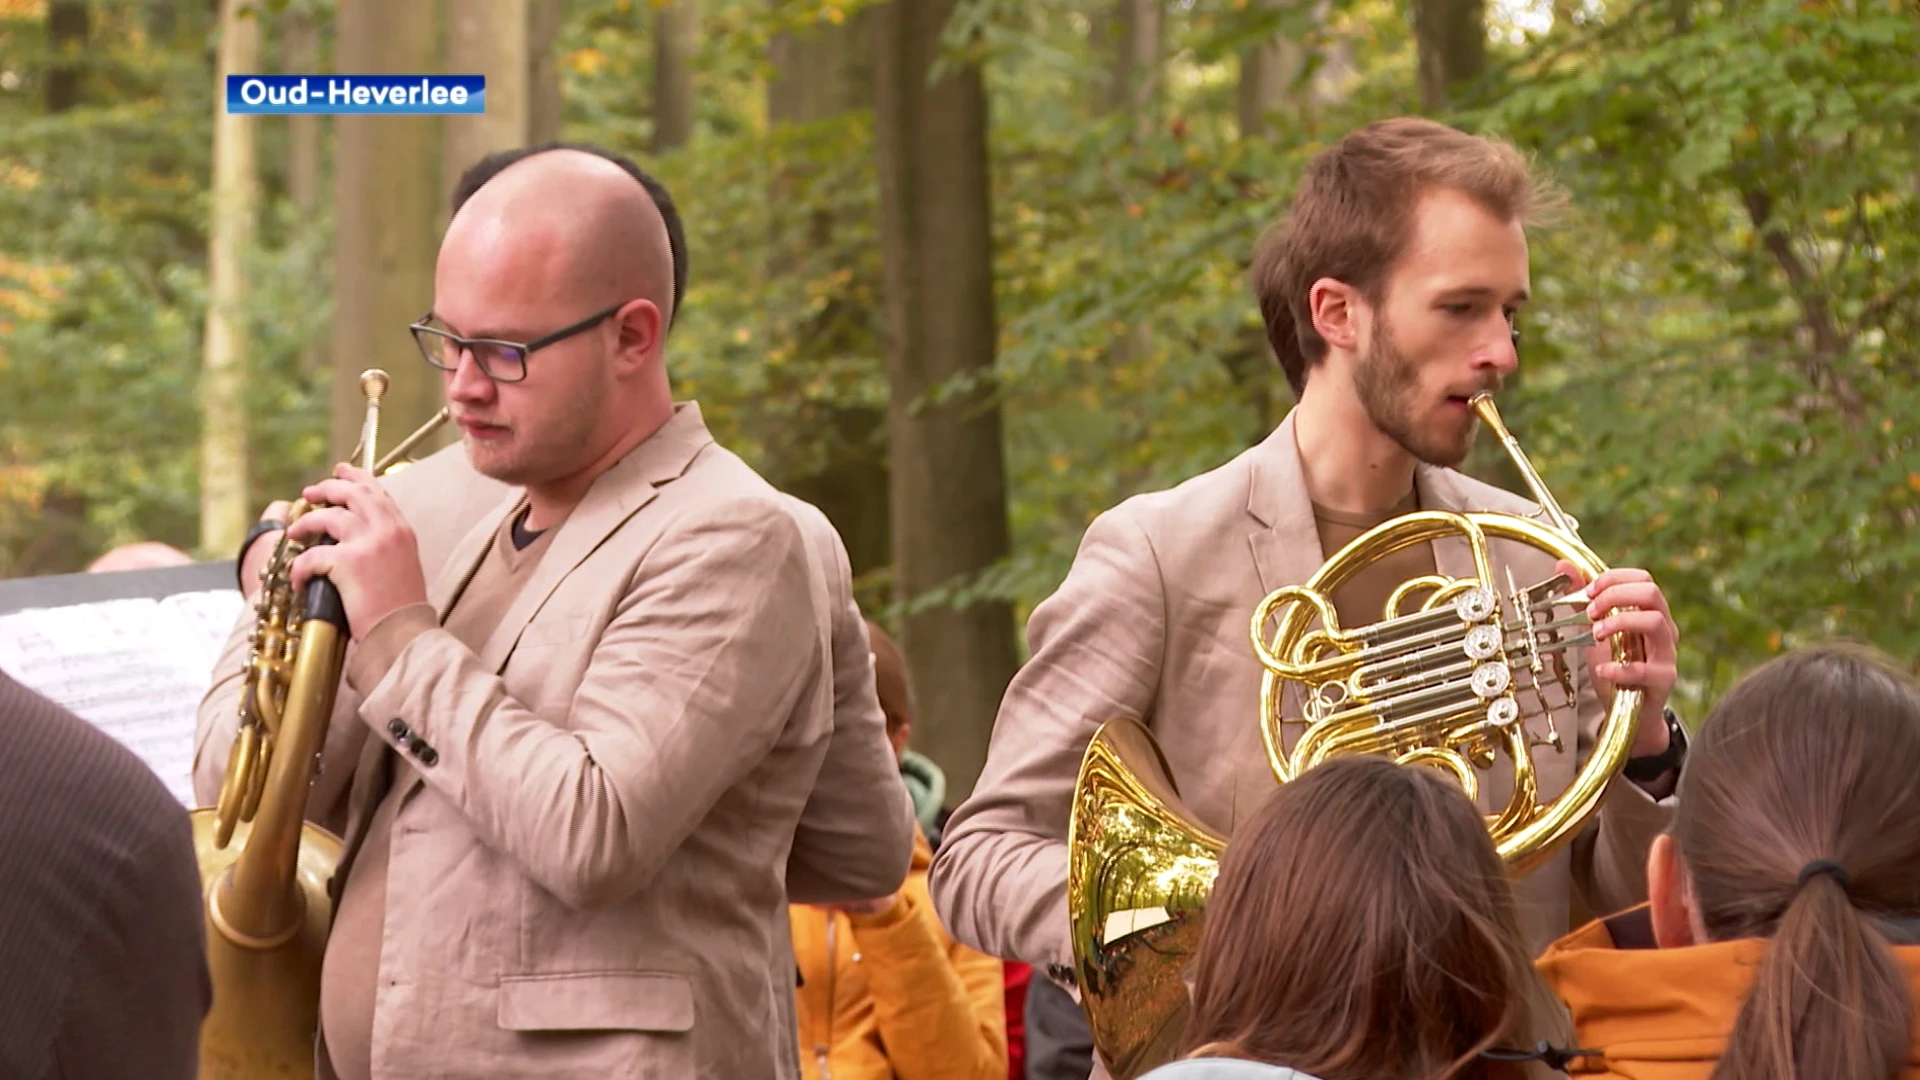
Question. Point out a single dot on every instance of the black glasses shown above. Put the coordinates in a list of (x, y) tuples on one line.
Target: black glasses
[(501, 361)]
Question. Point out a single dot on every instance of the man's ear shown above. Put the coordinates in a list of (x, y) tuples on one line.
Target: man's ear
[(1669, 897), (640, 327), (1338, 310)]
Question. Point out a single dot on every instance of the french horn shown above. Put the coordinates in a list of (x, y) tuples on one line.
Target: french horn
[(264, 868), (1436, 683)]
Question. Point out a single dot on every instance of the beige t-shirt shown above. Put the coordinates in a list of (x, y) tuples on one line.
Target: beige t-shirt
[(350, 973), (1362, 601)]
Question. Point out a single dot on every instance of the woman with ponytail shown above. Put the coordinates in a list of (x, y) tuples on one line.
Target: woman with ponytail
[(1782, 937)]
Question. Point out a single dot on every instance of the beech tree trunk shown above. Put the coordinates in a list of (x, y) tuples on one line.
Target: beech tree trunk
[(224, 506), (487, 36), (67, 25), (1452, 39), (387, 202), (948, 474), (544, 101), (819, 74), (675, 24)]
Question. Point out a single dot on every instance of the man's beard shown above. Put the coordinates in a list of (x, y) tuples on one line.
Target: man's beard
[(1389, 389)]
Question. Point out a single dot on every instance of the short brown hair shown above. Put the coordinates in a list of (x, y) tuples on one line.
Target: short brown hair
[(890, 679), (1353, 214), (1812, 758), (1362, 926)]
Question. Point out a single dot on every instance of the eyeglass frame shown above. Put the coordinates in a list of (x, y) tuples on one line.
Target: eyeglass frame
[(526, 349)]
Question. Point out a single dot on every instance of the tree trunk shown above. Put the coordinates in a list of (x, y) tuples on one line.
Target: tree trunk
[(948, 477), (235, 202), (488, 36), (1270, 81), (1135, 82), (544, 101), (1268, 71), (302, 50), (821, 73), (674, 27), (305, 170), (1133, 94), (67, 36), (1452, 40), (387, 198)]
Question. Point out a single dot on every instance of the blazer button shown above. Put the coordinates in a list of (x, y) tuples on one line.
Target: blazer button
[(428, 755), (1062, 974), (401, 733)]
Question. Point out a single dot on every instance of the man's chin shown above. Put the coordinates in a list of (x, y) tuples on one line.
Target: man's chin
[(1442, 453), (489, 462)]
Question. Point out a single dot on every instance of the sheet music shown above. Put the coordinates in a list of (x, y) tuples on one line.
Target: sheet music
[(135, 668)]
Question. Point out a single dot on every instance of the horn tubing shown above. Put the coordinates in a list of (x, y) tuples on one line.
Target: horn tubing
[(1483, 404)]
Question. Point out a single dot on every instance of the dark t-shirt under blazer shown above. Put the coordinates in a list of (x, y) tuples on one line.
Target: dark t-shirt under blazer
[(103, 970)]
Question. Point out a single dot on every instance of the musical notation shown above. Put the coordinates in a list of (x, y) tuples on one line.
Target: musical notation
[(135, 668)]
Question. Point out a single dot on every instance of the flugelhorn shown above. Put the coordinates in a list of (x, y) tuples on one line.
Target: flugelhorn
[(265, 868), (1438, 683)]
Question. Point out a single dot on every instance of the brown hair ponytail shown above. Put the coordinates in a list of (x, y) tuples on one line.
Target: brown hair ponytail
[(1796, 824)]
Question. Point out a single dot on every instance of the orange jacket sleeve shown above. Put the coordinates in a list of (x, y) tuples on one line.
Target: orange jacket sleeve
[(940, 1006)]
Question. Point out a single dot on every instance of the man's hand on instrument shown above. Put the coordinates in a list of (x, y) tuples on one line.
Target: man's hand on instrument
[(375, 559), (1626, 600)]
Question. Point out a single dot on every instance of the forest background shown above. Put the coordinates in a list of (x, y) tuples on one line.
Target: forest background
[(967, 272)]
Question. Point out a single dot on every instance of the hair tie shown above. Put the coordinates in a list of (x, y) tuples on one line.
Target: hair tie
[(1553, 1057), (1823, 866)]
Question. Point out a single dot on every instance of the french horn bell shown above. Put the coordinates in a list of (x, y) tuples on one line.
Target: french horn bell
[(1438, 683)]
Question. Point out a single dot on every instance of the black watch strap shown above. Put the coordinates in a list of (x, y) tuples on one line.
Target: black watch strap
[(260, 529), (1645, 770)]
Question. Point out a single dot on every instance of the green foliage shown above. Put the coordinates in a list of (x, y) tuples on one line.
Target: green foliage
[(103, 212), (1728, 364), (1721, 356)]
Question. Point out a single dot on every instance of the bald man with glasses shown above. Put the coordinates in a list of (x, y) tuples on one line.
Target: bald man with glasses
[(580, 727)]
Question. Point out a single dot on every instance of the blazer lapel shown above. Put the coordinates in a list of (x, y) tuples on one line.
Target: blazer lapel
[(1286, 545), (615, 496)]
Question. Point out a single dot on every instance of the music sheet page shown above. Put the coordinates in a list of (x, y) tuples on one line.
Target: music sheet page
[(136, 668)]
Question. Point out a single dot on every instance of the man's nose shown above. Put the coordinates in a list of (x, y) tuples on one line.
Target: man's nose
[(466, 382), (1501, 353)]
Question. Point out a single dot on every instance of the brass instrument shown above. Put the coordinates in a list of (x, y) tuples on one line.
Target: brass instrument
[(265, 869), (1436, 683)]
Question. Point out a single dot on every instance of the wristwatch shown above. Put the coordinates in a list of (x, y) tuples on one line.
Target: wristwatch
[(260, 529), (1647, 769)]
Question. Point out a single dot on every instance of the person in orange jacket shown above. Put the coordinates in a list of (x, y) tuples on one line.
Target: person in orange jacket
[(883, 991), (1781, 939)]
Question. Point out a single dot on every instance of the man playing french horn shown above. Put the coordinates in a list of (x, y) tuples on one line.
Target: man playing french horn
[(1389, 297)]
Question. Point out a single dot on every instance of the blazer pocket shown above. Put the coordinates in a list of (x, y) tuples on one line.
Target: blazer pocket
[(658, 1001)]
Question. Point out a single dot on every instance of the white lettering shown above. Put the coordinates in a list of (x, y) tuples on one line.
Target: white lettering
[(339, 91), (253, 91), (459, 95), (298, 96), (438, 95), (360, 95)]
